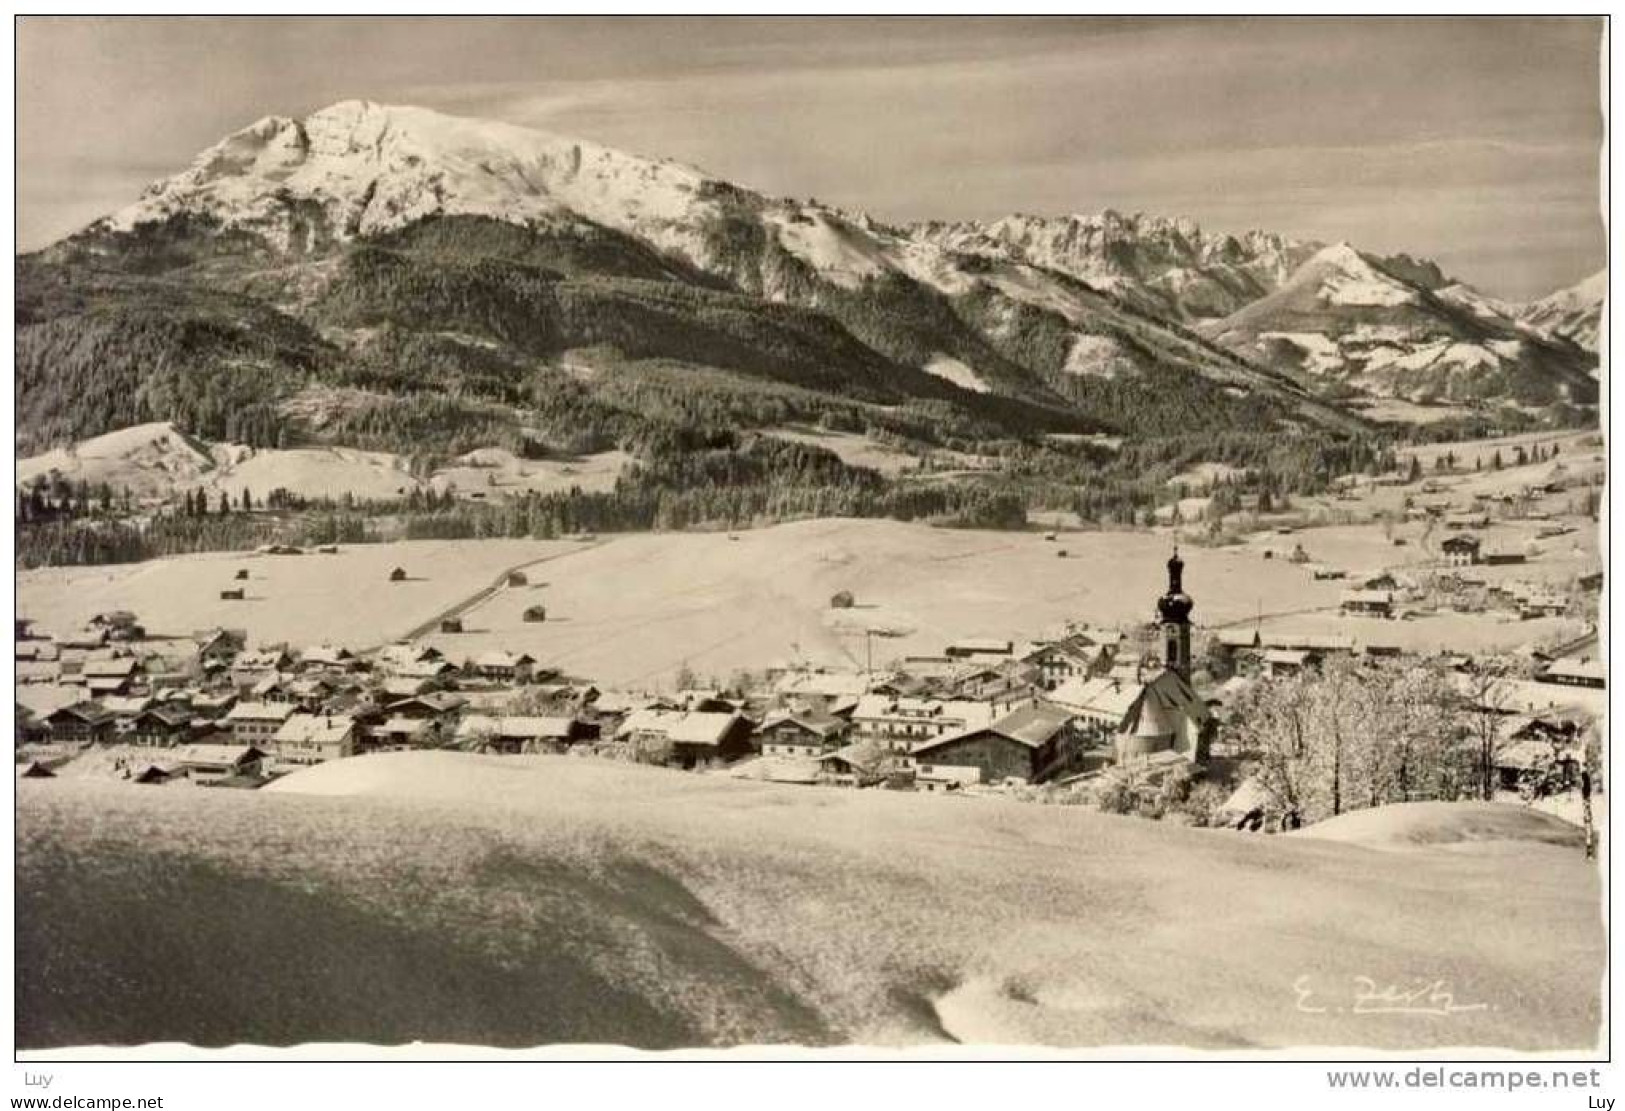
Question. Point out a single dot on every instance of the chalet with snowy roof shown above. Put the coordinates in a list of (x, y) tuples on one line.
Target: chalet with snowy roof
[(902, 723), (1571, 672), (397, 733), (517, 735), (1007, 680), (503, 666), (1075, 657), (109, 675), (327, 657), (1367, 603), (1282, 662), (306, 739), (393, 657), (80, 723), (218, 648), (853, 765), (800, 734), (433, 706), (212, 763), (161, 726), (1025, 746), (1541, 604), (821, 691), (697, 739), (257, 723), (1098, 704), (211, 704), (251, 667)]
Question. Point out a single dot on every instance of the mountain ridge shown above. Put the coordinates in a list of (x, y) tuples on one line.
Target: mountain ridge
[(1074, 323)]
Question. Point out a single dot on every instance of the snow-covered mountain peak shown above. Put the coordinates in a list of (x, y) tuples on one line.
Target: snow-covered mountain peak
[(370, 168), (1574, 313)]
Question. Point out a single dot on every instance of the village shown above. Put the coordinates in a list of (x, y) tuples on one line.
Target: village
[(1139, 712)]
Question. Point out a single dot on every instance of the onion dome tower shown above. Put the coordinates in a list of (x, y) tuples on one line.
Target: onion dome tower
[(1174, 612)]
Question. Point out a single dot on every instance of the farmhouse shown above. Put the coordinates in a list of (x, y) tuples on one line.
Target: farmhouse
[(250, 667), (1582, 672), (1008, 680), (503, 667), (901, 723), (327, 657), (697, 739), (1541, 604), (1023, 746), (1074, 657), (1367, 603), (852, 766), (211, 763), (161, 727), (257, 722), (514, 736), (817, 691), (399, 733), (394, 657), (217, 648), (124, 708), (800, 734), (79, 723), (1460, 551), (1288, 661), (306, 739), (110, 676)]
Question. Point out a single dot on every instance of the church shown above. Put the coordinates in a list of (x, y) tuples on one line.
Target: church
[(1155, 720), (1169, 716)]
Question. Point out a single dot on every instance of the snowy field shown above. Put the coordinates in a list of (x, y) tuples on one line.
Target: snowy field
[(512, 902), (634, 609), (344, 599), (637, 608)]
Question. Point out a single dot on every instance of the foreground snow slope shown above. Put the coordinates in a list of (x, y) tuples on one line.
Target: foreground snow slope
[(512, 902)]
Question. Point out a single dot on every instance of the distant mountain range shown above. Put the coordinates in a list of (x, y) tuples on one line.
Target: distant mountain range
[(400, 278)]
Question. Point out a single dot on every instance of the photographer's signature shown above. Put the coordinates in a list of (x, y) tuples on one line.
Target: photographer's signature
[(1364, 996)]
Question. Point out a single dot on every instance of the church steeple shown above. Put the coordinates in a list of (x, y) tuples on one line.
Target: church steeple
[(1174, 610)]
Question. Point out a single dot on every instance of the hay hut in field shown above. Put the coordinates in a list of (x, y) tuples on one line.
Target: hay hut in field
[(232, 595), (242, 574), (517, 578), (842, 600), (536, 613), (451, 624), (398, 575)]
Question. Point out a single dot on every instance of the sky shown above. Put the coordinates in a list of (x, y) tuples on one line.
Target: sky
[(1475, 142)]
